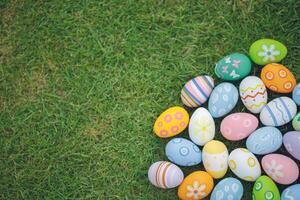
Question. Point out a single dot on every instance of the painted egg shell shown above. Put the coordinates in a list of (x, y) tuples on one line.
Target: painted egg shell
[(278, 112), (296, 94), (196, 91), (233, 67), (228, 188), (215, 158), (201, 127), (266, 51), (238, 126), (278, 78), (265, 188), (197, 185), (164, 174), (244, 164), (291, 141), (183, 152), (264, 140), (291, 193), (223, 99), (296, 122), (253, 93), (171, 122), (280, 168)]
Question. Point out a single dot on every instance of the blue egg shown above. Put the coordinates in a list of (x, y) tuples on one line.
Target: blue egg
[(223, 99), (183, 152), (264, 140), (228, 188), (291, 193), (296, 94)]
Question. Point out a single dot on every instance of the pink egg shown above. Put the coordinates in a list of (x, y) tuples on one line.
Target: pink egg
[(238, 126), (280, 168)]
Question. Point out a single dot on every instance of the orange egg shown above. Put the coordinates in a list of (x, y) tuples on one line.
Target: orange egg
[(197, 185), (278, 78), (171, 122)]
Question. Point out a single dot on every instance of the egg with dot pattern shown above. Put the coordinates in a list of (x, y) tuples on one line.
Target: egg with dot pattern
[(265, 189), (228, 188)]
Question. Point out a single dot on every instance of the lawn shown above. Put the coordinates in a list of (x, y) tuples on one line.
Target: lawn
[(82, 82)]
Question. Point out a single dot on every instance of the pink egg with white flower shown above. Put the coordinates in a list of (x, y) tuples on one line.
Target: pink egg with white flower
[(280, 168), (238, 126)]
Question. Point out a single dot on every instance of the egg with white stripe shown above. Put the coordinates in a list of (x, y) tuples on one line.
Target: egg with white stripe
[(164, 174), (196, 91), (278, 112)]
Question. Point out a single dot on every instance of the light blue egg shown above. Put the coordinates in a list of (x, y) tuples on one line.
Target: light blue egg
[(228, 188), (183, 152), (296, 94), (223, 99), (264, 140), (291, 193)]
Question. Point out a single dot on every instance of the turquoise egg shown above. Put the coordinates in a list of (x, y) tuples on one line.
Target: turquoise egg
[(223, 99), (228, 188), (291, 193), (183, 152)]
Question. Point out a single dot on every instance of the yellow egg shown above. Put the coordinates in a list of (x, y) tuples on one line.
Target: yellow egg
[(215, 157), (171, 122)]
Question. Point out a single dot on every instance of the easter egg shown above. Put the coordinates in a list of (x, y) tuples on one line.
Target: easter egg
[(266, 51), (233, 67), (280, 168), (253, 93), (201, 127), (228, 188), (196, 91), (278, 112), (265, 189), (238, 126), (164, 174), (215, 155), (223, 99), (183, 152), (264, 140), (244, 164), (296, 122), (296, 94), (278, 78), (291, 141), (171, 122), (291, 193), (197, 185)]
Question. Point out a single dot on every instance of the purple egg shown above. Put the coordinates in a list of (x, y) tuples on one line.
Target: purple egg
[(291, 141)]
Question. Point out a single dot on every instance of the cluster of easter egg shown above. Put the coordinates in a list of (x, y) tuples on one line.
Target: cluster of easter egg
[(263, 141)]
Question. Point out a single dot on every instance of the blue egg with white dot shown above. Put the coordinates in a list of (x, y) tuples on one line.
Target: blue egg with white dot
[(296, 94), (183, 152), (223, 99), (291, 193), (228, 188)]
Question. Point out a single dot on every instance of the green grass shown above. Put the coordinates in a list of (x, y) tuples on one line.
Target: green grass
[(82, 82)]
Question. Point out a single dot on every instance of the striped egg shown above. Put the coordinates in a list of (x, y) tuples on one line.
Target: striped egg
[(164, 174), (278, 112), (196, 91)]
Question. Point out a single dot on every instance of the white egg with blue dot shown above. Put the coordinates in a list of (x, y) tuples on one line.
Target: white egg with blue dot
[(183, 152), (228, 188), (222, 99)]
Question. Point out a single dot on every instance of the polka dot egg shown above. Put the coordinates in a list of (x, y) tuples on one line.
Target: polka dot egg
[(171, 122)]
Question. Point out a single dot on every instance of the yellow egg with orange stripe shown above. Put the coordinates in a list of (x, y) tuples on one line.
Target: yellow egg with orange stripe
[(215, 158), (164, 174), (171, 122)]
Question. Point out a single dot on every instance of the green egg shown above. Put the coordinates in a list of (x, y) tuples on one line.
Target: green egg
[(267, 51), (233, 67), (265, 189), (296, 122)]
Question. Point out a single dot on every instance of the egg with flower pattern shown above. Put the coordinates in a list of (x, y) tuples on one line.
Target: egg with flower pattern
[(201, 127), (195, 186), (215, 155), (291, 141), (171, 122), (244, 164), (278, 78)]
